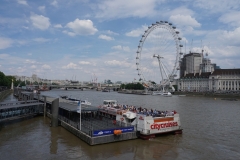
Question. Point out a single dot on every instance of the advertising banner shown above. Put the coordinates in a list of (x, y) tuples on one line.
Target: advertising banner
[(111, 131)]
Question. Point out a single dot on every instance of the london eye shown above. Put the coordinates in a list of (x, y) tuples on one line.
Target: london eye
[(158, 55)]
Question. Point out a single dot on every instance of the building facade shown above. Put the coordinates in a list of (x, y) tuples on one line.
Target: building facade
[(224, 80), (207, 66), (220, 80), (190, 63), (194, 82)]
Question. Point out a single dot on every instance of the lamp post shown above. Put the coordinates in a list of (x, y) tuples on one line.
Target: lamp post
[(12, 85), (79, 111)]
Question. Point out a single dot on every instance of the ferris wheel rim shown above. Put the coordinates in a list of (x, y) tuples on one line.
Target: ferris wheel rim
[(176, 38)]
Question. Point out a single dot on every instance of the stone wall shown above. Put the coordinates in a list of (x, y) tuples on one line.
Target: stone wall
[(4, 94)]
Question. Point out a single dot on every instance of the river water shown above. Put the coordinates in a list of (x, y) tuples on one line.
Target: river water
[(211, 130)]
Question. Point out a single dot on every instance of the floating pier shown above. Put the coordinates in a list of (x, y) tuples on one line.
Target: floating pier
[(96, 125), (95, 128), (91, 126)]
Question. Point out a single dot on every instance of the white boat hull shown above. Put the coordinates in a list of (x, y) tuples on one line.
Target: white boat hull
[(165, 94)]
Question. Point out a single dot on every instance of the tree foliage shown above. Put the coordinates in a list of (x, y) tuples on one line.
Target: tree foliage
[(6, 80), (134, 86)]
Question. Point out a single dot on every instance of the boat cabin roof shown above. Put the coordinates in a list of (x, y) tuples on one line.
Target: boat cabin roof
[(109, 101)]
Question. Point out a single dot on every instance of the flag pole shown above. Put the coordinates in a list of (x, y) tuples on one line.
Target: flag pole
[(80, 110)]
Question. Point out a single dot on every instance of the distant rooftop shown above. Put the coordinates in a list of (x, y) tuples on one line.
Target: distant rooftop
[(226, 72), (197, 75)]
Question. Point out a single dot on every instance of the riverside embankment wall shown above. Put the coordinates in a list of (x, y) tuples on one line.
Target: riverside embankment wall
[(4, 94)]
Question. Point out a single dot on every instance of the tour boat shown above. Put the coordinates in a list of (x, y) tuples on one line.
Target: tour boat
[(148, 124), (165, 94), (75, 100)]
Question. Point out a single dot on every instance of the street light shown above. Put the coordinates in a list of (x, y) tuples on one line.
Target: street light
[(79, 111)]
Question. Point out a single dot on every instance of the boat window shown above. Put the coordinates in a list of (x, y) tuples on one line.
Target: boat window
[(105, 102), (131, 120)]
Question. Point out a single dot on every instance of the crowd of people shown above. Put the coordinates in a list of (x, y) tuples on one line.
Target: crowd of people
[(144, 111)]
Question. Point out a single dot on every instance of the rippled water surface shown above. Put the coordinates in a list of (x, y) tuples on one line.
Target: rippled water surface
[(211, 130)]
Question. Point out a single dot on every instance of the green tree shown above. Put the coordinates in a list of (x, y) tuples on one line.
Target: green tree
[(134, 86), (6, 80), (3, 81)]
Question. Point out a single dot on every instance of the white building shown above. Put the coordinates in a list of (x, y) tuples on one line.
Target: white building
[(220, 80), (225, 80), (194, 82)]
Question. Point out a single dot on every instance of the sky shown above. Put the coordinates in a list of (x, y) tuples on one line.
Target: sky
[(98, 39)]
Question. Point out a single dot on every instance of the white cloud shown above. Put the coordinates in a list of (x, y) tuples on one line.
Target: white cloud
[(180, 10), (123, 48), (25, 27), (69, 33), (109, 9), (71, 66), (232, 37), (117, 63), (105, 37), (41, 40), (184, 20), (41, 8), (40, 21), (21, 70), (45, 66), (58, 26), (111, 33), (81, 27), (84, 62), (224, 38), (118, 47), (28, 61), (137, 32), (217, 6), (21, 42), (5, 43), (232, 18), (54, 3), (24, 2), (33, 67)]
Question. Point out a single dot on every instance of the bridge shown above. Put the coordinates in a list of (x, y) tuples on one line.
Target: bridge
[(84, 86)]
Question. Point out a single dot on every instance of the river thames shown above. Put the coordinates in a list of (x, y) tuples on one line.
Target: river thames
[(211, 130)]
